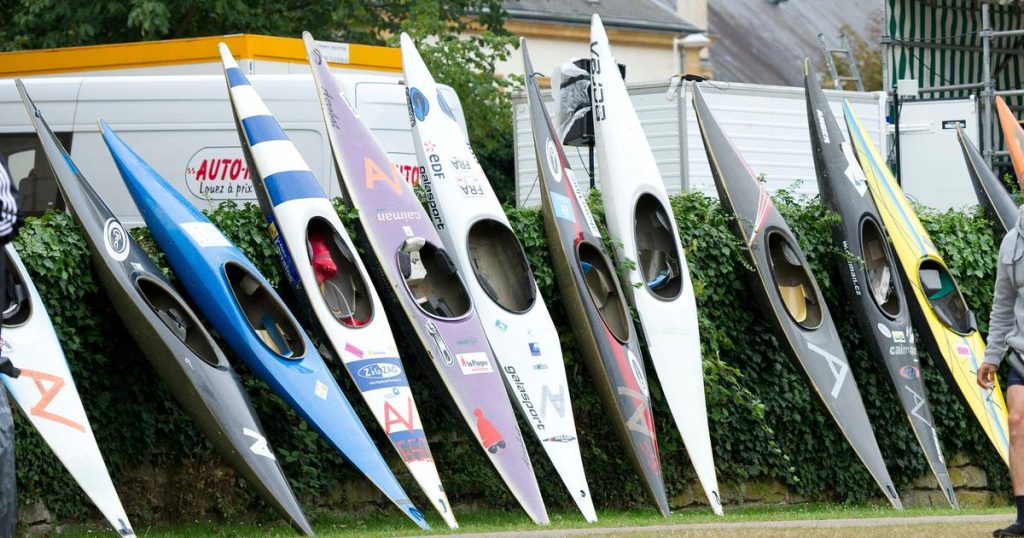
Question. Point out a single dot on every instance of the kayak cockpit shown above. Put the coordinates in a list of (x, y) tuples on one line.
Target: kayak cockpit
[(267, 317), (19, 305), (500, 265), (431, 278), (178, 318), (944, 296), (601, 284), (879, 269), (656, 248), (796, 289), (338, 278)]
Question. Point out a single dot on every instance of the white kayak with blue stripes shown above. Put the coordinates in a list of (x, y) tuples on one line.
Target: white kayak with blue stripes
[(651, 260), (323, 267)]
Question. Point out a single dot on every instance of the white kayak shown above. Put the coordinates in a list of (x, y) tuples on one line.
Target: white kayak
[(641, 223), (46, 393), (322, 265), (476, 232)]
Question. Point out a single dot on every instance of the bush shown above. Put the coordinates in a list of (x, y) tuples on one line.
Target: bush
[(766, 423)]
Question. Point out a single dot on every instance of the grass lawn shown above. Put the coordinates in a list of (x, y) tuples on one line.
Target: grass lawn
[(386, 524)]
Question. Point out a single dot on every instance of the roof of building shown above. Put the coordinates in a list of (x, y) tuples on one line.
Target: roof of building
[(650, 15), (765, 41), (184, 51)]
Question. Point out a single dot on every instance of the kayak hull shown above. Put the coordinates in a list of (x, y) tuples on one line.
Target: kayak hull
[(250, 317), (992, 195), (1014, 135), (46, 393), (954, 338), (870, 274), (613, 358), (477, 233), (641, 221), (789, 294), (199, 376), (299, 214), (8, 482), (401, 240)]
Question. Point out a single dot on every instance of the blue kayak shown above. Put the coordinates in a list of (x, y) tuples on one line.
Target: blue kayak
[(250, 317)]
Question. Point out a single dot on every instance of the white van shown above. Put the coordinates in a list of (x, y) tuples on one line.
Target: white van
[(169, 101), (183, 126)]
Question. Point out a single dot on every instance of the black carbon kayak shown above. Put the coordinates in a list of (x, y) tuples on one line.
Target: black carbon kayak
[(594, 299), (870, 274), (170, 334), (8, 484), (789, 294), (992, 195)]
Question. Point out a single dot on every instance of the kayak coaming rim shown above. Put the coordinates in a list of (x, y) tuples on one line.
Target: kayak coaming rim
[(712, 155), (375, 336), (673, 348), (972, 341)]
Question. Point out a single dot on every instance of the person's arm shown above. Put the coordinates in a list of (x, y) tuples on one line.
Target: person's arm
[(1001, 321)]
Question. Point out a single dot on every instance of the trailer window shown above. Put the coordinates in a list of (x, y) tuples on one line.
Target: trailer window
[(31, 173)]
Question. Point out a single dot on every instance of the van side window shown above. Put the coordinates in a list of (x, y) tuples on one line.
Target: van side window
[(31, 173)]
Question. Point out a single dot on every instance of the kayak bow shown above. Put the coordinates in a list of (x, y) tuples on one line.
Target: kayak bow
[(594, 299), (643, 226), (789, 294), (245, 311), (939, 310), (992, 195), (320, 263), (411, 263), (170, 334), (1014, 136), (46, 392), (870, 274), (501, 286)]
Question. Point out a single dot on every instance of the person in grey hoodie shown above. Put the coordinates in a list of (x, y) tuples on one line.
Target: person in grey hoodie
[(1005, 334)]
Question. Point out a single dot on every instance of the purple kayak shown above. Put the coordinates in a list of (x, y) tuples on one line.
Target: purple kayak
[(420, 280)]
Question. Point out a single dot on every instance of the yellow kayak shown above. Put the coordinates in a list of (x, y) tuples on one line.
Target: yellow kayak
[(951, 332)]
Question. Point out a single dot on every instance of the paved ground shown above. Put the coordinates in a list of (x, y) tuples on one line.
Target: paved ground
[(903, 527)]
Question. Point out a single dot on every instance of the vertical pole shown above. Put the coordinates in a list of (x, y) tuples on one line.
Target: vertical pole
[(896, 136), (590, 151), (987, 91)]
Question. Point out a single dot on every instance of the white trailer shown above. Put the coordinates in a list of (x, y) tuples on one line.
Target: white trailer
[(767, 123)]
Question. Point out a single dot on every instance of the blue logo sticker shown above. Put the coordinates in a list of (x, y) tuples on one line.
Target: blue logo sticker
[(418, 102), (534, 349), (563, 207), (377, 373), (501, 325), (444, 105)]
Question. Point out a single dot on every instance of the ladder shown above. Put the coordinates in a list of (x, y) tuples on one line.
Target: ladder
[(851, 63)]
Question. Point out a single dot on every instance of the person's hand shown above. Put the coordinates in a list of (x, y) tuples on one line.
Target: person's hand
[(987, 375)]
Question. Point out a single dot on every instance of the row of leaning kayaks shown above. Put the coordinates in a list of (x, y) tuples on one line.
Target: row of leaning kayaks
[(455, 279)]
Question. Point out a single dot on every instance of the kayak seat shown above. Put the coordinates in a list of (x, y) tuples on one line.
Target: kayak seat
[(936, 284), (600, 290), (16, 297), (273, 337), (796, 300), (173, 319), (655, 262)]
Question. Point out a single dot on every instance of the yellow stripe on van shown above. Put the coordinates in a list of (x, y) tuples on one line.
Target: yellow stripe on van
[(182, 51)]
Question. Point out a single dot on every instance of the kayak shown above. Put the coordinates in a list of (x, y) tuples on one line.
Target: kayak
[(870, 275), (789, 295), (498, 277), (46, 392), (410, 262), (944, 323), (321, 266), (8, 484), (1014, 136), (594, 299), (170, 334), (643, 227), (992, 195), (243, 308)]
